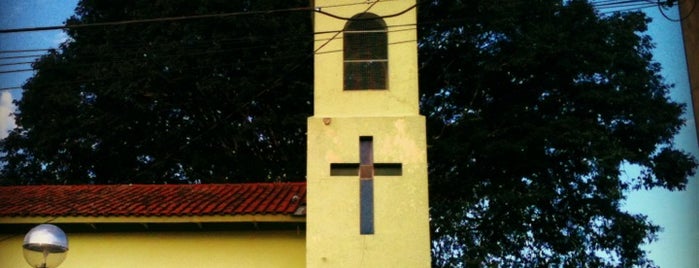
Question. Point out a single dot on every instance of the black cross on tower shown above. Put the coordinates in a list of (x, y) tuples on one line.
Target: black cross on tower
[(367, 169)]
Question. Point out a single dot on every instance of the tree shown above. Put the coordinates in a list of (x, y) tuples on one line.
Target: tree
[(533, 107), (213, 99)]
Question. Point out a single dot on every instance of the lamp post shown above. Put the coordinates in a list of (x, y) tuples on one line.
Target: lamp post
[(45, 246)]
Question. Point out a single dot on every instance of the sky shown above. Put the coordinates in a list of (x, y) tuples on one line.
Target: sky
[(676, 212)]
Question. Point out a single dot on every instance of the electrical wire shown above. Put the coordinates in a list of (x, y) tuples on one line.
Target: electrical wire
[(274, 84), (608, 4), (224, 41), (23, 50), (617, 5), (16, 63), (118, 57), (163, 19), (21, 57), (682, 17), (181, 18), (319, 10), (337, 32), (16, 71), (9, 88)]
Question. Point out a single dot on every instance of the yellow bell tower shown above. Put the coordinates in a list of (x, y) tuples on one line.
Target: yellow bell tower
[(367, 163)]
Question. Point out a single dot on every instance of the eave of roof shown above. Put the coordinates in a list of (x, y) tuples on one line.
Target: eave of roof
[(251, 202)]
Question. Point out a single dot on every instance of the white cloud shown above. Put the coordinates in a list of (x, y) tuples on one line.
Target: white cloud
[(7, 121)]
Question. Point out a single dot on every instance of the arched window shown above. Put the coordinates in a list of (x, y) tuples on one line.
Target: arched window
[(365, 53)]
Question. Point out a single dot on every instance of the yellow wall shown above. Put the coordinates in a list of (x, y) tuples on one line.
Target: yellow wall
[(391, 117), (181, 249)]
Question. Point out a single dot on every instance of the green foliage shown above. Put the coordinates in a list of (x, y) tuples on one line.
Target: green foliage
[(217, 99), (533, 107)]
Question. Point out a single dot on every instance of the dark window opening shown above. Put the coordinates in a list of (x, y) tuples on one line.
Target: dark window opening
[(365, 53)]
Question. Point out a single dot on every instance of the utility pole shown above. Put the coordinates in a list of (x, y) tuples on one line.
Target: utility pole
[(689, 16)]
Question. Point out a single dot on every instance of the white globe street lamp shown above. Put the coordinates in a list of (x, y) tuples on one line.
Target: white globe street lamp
[(45, 246)]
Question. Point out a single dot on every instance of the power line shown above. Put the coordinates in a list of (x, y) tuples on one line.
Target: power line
[(300, 55), (682, 17), (23, 50), (316, 9), (121, 57), (205, 42), (613, 6), (274, 84), (136, 21), (16, 71), (320, 10), (21, 57), (181, 18), (603, 4), (609, 4), (16, 63)]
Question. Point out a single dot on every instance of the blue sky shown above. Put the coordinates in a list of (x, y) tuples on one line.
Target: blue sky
[(677, 212)]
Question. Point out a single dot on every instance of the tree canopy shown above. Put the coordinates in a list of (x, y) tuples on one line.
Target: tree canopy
[(533, 107), (220, 99)]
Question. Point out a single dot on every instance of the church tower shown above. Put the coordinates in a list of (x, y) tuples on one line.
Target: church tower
[(367, 164)]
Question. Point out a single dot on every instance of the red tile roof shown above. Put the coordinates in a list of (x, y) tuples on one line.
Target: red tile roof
[(152, 200)]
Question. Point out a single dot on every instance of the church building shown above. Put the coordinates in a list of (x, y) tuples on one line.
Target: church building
[(364, 203)]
